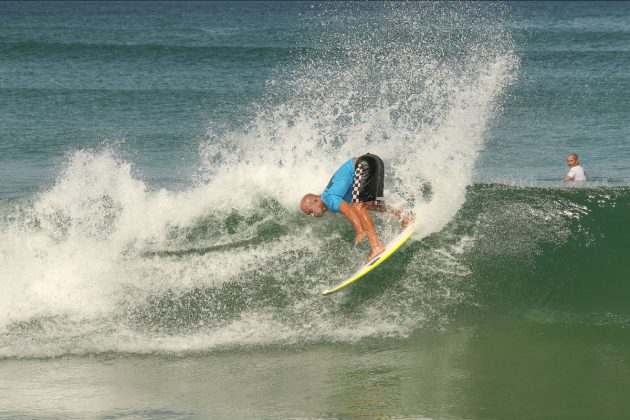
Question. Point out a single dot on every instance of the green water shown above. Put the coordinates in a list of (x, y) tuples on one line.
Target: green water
[(518, 369)]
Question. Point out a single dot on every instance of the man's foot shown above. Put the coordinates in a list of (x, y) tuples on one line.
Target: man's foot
[(374, 254)]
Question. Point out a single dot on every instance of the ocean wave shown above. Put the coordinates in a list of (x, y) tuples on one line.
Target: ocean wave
[(551, 251), (102, 262)]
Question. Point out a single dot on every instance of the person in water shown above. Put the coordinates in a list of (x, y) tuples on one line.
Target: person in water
[(576, 172), (354, 189)]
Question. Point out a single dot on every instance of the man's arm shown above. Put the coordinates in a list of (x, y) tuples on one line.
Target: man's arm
[(347, 210), (405, 218)]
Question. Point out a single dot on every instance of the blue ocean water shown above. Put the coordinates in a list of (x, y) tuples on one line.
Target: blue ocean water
[(152, 155), (156, 75), (152, 74)]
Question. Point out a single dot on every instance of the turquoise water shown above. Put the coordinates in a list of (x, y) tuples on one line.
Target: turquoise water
[(153, 261)]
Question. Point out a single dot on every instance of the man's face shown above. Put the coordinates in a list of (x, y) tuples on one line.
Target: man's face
[(313, 207), (571, 161)]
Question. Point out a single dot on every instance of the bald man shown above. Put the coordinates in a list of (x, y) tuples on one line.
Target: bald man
[(354, 189), (576, 172)]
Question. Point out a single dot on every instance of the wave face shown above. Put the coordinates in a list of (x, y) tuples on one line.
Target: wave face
[(557, 251), (102, 263)]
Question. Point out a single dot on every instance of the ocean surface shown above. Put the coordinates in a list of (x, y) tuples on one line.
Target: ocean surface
[(154, 262)]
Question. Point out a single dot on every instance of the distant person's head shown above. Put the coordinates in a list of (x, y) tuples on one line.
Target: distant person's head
[(312, 205), (572, 160)]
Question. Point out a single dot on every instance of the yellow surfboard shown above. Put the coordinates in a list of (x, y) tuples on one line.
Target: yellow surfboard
[(391, 247)]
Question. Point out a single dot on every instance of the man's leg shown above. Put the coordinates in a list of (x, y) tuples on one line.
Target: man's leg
[(376, 246), (367, 187), (405, 218)]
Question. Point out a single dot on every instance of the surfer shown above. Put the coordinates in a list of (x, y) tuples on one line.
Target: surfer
[(576, 172), (354, 189)]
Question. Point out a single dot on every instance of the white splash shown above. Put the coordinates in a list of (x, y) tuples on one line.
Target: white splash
[(89, 265)]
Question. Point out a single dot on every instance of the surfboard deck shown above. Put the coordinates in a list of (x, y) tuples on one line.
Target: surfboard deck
[(391, 247)]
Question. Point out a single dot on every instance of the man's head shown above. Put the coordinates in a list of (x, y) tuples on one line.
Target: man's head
[(312, 205), (572, 160)]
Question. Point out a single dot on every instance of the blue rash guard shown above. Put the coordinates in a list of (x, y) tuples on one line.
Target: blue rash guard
[(340, 187)]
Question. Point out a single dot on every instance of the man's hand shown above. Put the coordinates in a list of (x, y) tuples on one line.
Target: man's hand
[(406, 220)]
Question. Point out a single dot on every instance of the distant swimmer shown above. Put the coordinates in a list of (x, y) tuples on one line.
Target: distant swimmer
[(576, 172), (355, 188)]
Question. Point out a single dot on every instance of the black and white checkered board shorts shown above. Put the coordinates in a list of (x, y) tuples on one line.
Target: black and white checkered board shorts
[(367, 185)]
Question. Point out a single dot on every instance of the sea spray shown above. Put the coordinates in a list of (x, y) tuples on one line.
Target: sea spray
[(416, 84)]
